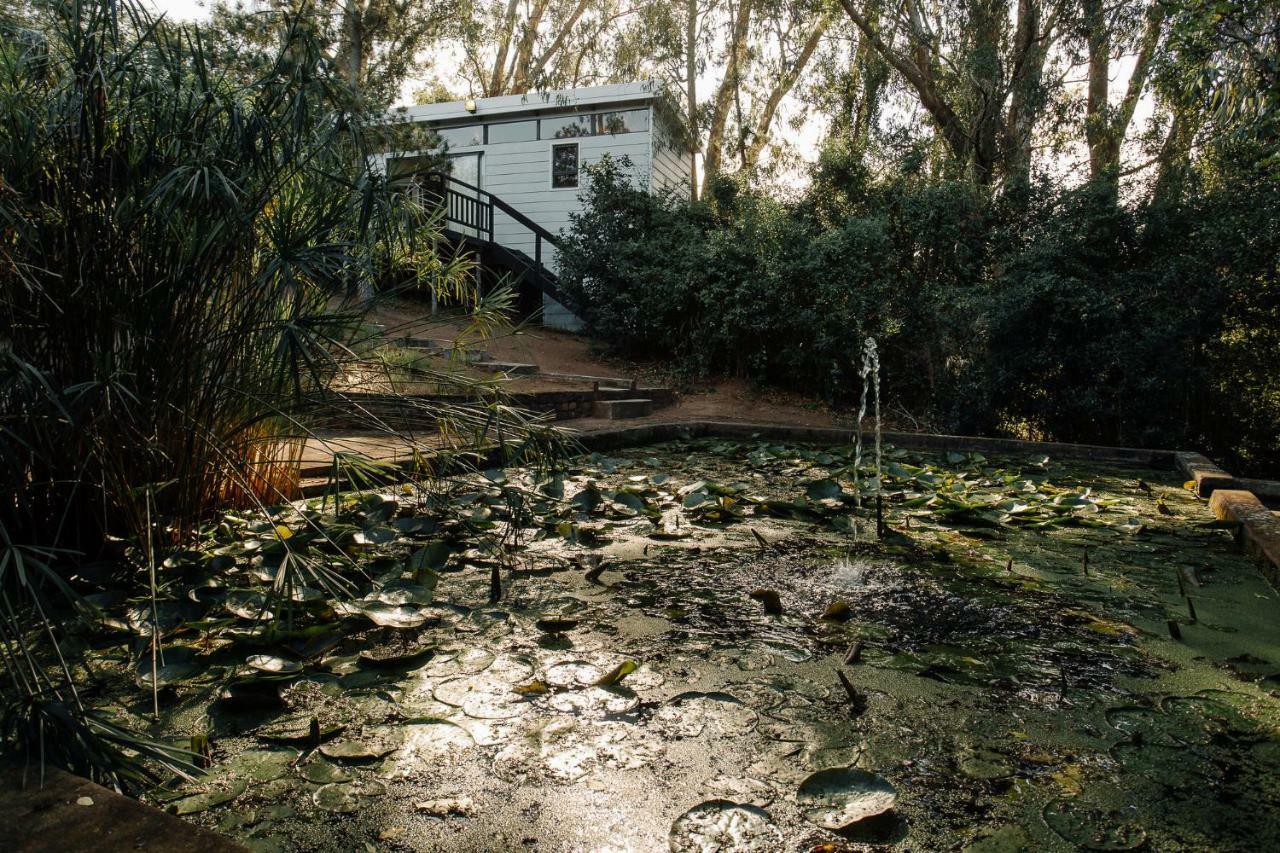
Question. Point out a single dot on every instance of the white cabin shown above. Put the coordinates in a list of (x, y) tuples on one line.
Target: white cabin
[(529, 151)]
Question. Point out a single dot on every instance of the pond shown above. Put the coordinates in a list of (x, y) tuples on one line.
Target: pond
[(704, 645)]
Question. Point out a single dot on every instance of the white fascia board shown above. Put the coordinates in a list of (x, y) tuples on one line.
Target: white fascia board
[(532, 104)]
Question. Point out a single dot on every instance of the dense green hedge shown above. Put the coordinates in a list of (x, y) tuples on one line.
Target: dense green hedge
[(1055, 314)]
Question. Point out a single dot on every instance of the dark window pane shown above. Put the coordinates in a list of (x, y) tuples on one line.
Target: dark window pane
[(461, 137), (623, 121), (566, 127), (564, 166), (513, 131)]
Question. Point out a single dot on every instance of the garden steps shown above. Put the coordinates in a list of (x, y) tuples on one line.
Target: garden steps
[(604, 381), (635, 407), (510, 368)]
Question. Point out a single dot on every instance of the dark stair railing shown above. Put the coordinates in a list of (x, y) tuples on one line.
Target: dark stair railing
[(472, 209)]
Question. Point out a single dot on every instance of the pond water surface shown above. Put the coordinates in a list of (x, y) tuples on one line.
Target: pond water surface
[(704, 646)]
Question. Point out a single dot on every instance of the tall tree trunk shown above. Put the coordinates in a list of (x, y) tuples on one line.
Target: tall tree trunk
[(518, 75), (1105, 128), (528, 77), (497, 80), (725, 94), (1026, 96), (354, 58), (691, 91), (1103, 151), (918, 73), (1175, 155), (988, 22), (780, 90)]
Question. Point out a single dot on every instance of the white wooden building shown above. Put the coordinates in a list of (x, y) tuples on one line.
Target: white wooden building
[(528, 152)]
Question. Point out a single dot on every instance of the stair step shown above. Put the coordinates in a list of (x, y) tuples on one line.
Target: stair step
[(605, 381), (422, 343), (510, 368), (619, 409)]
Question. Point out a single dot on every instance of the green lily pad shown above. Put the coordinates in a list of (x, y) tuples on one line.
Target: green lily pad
[(723, 825), (323, 773), (842, 796), (226, 791), (274, 665), (1090, 828)]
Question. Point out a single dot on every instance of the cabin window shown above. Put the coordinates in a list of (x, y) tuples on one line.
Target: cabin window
[(564, 166), (622, 121), (513, 131), (461, 137), (566, 127)]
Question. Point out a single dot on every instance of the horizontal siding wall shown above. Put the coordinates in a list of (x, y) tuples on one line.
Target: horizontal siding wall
[(670, 168), (519, 173)]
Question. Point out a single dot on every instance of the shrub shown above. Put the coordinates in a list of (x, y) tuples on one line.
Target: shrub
[(1055, 314)]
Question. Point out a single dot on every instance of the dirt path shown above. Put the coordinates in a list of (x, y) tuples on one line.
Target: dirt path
[(561, 352)]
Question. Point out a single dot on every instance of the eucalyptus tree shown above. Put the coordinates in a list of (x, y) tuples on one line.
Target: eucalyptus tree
[(734, 63), (977, 69), (374, 45), (512, 47)]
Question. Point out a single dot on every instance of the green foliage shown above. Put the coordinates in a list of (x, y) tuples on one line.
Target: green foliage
[(1046, 313), (186, 264)]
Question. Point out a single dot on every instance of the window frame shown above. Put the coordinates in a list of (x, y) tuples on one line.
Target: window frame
[(551, 163)]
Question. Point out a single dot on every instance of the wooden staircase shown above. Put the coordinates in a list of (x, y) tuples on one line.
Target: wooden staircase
[(469, 212)]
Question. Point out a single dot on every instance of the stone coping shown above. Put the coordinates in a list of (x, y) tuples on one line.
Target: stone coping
[(62, 812)]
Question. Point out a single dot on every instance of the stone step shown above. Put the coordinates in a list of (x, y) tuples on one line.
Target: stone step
[(422, 343), (510, 368), (605, 381), (619, 409)]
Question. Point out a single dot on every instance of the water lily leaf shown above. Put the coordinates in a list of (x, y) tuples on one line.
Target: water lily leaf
[(723, 825), (323, 773), (261, 765), (1090, 828), (588, 499), (227, 791), (555, 624), (822, 490), (376, 535), (842, 796), (533, 688), (176, 669), (396, 658), (345, 797), (394, 615), (300, 730), (434, 555), (246, 604), (404, 592), (696, 498), (274, 665), (365, 749)]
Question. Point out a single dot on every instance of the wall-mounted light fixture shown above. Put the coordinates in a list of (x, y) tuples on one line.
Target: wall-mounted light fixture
[(469, 105)]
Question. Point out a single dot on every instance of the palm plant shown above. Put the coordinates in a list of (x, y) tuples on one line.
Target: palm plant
[(186, 264)]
